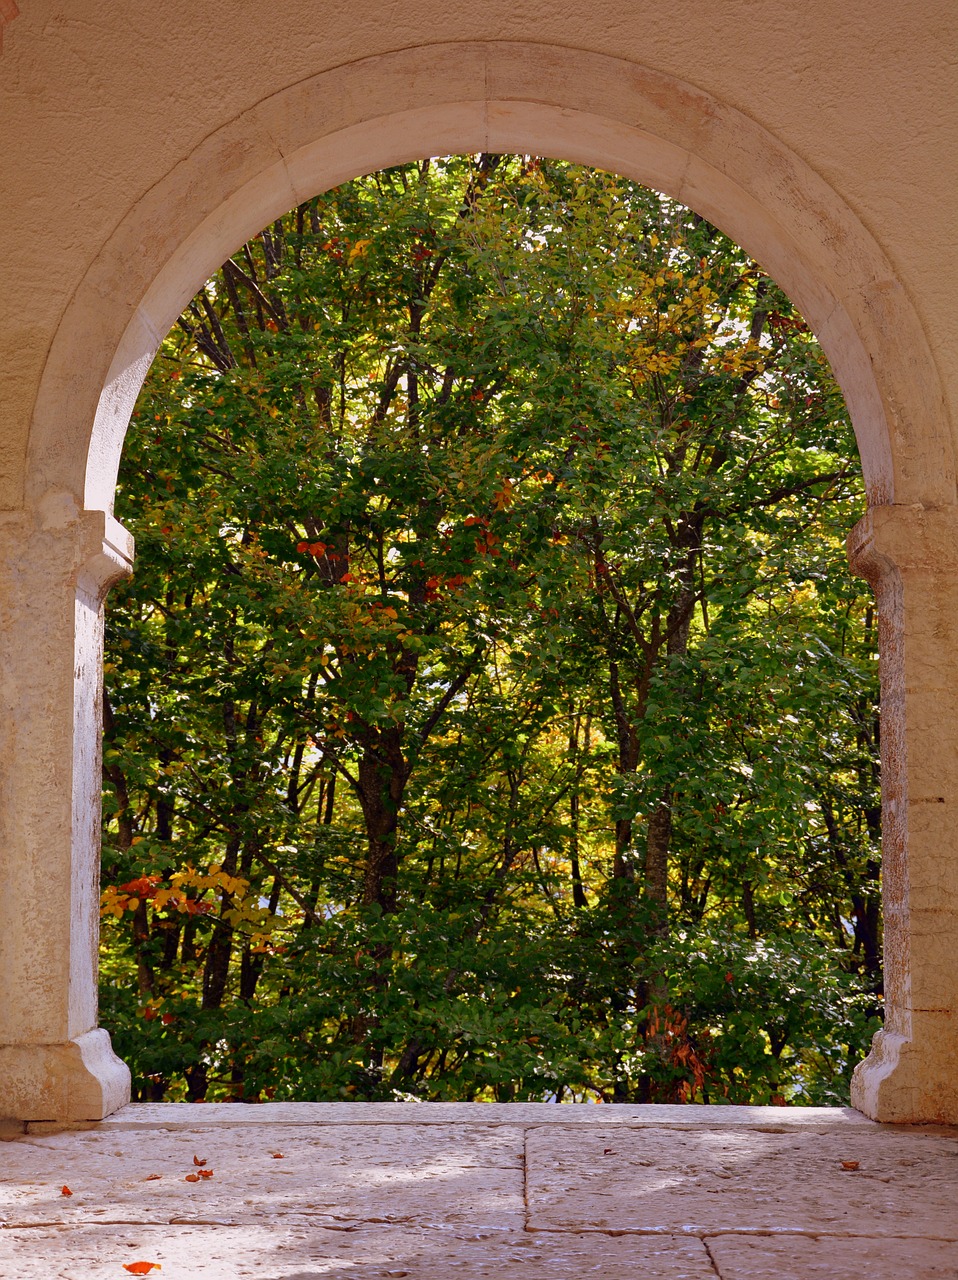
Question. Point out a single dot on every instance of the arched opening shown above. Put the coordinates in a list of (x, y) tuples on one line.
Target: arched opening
[(497, 97), (554, 741)]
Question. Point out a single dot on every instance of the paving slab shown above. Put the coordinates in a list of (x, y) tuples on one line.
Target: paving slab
[(865, 1181), (815, 1258), (448, 1174), (320, 1191), (305, 1252)]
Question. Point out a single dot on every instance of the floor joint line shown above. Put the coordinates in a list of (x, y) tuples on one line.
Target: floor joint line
[(712, 1262)]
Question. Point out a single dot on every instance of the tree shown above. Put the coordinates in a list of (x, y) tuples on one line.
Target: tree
[(489, 654)]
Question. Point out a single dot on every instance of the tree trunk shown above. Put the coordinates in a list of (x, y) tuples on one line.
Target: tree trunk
[(383, 774), (657, 845), (628, 746)]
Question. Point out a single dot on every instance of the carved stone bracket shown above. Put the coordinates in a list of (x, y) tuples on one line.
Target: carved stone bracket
[(904, 538), (110, 557)]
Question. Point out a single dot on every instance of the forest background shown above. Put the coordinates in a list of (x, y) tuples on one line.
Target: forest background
[(492, 714)]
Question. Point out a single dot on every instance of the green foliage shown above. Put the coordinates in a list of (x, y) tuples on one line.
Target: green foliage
[(491, 714)]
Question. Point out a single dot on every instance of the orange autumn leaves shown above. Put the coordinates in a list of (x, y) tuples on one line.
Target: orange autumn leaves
[(142, 1268), (183, 894), (200, 1173)]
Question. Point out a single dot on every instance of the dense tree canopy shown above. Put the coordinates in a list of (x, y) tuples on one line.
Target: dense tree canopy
[(491, 714)]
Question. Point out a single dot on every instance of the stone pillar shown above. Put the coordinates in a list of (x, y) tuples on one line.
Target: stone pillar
[(909, 554), (56, 566)]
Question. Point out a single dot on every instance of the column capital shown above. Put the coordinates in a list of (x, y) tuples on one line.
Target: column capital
[(57, 540), (904, 538), (107, 549)]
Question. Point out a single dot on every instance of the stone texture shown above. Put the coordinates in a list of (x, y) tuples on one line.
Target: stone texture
[(56, 566), (909, 554), (906, 1183), (378, 1195), (340, 1174), (175, 1115), (817, 1258), (307, 1252)]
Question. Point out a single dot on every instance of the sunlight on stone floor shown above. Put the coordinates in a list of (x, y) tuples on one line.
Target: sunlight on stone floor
[(304, 1191)]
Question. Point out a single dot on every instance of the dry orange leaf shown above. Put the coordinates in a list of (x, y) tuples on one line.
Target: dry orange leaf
[(65, 1191), (206, 1173), (278, 1155), (849, 1164), (141, 1268), (192, 1177), (153, 1177), (198, 1161)]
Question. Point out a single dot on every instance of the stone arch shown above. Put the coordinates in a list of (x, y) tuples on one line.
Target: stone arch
[(384, 110), (578, 106)]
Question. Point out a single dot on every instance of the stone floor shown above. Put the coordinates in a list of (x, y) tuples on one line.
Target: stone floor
[(305, 1191)]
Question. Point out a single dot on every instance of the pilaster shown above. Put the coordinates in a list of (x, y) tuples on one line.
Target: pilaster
[(56, 566), (909, 554)]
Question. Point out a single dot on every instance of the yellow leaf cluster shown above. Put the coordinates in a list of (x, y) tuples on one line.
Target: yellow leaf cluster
[(115, 900), (359, 250), (503, 497)]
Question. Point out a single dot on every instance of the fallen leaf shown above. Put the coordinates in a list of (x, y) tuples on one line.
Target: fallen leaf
[(278, 1155), (607, 1151), (65, 1191), (849, 1164), (141, 1268), (198, 1161), (206, 1173), (192, 1177), (153, 1177)]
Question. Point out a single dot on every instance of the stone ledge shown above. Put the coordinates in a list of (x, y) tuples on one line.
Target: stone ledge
[(184, 1115)]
